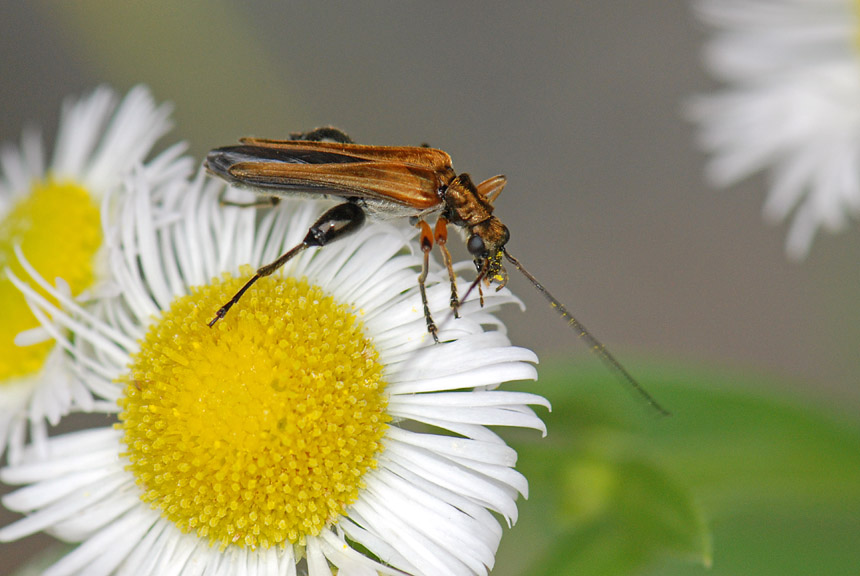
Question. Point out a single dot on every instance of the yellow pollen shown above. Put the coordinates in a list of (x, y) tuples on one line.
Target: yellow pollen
[(256, 432), (58, 228)]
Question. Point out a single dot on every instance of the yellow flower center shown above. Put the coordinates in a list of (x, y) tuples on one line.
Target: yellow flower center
[(256, 432), (58, 227)]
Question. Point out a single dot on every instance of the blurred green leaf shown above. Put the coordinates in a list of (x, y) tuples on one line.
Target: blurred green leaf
[(623, 510), (617, 489)]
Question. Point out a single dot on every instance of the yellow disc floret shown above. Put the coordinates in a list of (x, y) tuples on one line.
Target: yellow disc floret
[(57, 225), (255, 432)]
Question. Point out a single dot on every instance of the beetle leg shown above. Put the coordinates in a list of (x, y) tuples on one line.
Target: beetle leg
[(336, 223), (323, 133), (260, 202), (482, 277), (426, 243), (442, 241)]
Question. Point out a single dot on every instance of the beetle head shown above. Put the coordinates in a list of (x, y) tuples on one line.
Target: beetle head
[(486, 243)]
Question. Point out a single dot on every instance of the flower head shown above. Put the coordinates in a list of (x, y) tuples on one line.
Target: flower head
[(317, 422), (53, 214), (792, 70)]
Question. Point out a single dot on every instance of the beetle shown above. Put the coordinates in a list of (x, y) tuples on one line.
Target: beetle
[(385, 182)]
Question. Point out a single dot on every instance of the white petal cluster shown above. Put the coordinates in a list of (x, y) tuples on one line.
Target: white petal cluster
[(100, 138), (790, 105)]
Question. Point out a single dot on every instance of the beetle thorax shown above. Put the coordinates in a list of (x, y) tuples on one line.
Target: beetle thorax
[(463, 205)]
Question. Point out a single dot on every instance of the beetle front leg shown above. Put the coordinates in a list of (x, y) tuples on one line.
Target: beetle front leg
[(426, 243), (442, 241), (336, 223)]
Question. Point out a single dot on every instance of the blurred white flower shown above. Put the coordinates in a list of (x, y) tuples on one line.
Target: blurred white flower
[(316, 426), (790, 105), (53, 214)]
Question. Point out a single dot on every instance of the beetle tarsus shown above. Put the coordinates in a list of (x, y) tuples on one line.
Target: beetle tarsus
[(236, 297)]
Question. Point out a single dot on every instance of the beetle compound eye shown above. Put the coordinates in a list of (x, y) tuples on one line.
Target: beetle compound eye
[(475, 245)]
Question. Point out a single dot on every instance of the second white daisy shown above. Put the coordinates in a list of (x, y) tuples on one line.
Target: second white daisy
[(54, 214), (300, 426), (792, 69)]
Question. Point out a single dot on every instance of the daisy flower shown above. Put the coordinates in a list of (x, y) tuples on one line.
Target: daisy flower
[(790, 106), (316, 427), (53, 214)]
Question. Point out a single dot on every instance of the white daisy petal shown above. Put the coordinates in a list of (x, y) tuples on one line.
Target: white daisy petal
[(456, 477), (172, 552), (67, 454), (471, 378), (455, 357), (40, 305), (317, 564), (144, 558), (419, 408), (425, 554), (16, 170), (105, 512), (80, 127), (133, 130), (457, 448), (57, 512), (473, 508), (104, 551), (792, 70), (39, 495), (347, 560), (440, 522)]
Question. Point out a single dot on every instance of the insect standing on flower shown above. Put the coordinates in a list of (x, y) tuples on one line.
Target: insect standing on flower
[(384, 182)]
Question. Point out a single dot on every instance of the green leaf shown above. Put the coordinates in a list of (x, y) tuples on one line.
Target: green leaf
[(617, 489), (622, 509)]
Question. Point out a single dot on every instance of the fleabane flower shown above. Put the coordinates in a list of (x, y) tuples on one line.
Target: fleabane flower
[(316, 427), (791, 105), (53, 213)]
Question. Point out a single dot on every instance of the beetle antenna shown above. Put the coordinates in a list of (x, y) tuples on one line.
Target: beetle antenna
[(596, 346)]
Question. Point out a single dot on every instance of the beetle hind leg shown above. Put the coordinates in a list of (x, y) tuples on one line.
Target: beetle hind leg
[(260, 202), (336, 223)]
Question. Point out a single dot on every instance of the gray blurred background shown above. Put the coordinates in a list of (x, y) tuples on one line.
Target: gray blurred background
[(577, 102)]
